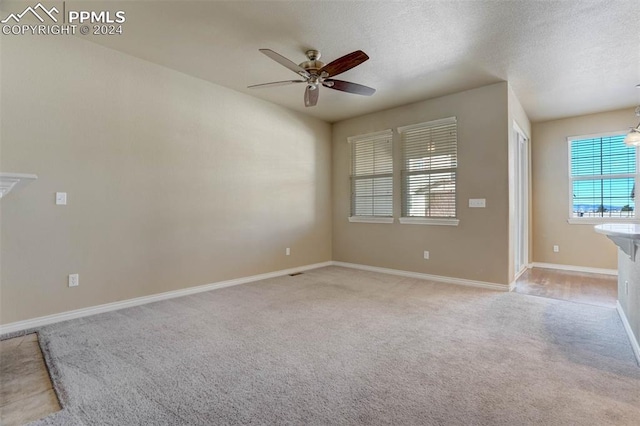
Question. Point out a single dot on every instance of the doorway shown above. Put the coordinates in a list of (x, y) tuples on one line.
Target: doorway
[(521, 199)]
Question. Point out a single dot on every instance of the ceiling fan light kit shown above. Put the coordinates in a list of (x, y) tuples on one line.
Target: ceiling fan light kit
[(633, 137), (316, 73)]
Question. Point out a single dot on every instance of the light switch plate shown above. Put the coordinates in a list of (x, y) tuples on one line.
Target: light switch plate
[(477, 203), (61, 198)]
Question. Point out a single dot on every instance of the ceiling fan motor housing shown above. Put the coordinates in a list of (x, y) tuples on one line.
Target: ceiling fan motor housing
[(313, 65)]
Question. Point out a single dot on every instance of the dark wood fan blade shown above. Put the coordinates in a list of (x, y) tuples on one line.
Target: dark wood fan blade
[(285, 62), (311, 96), (346, 86), (345, 63), (275, 83)]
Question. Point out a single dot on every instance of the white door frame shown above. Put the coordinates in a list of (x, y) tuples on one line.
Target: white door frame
[(521, 202)]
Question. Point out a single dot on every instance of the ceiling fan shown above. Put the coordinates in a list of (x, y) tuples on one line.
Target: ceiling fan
[(315, 74)]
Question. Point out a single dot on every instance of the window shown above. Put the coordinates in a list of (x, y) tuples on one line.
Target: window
[(603, 174), (430, 161), (372, 178)]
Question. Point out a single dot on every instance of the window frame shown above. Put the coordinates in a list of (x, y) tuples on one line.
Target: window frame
[(428, 220), (595, 220), (387, 134)]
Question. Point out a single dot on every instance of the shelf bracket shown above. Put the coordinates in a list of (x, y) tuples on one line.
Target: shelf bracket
[(627, 245)]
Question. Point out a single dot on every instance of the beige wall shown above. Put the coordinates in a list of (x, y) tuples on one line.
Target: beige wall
[(579, 244), (477, 249), (175, 182), (172, 181)]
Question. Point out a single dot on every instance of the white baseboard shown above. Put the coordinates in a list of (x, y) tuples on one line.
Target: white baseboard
[(627, 327), (519, 274), (512, 284), (78, 313), (574, 268), (419, 275)]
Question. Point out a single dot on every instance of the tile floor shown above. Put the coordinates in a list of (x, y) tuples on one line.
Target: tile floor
[(593, 289)]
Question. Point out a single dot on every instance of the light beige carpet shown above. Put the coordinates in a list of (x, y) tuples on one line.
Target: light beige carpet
[(340, 346)]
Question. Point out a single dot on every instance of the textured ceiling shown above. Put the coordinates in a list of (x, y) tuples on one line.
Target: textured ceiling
[(562, 58)]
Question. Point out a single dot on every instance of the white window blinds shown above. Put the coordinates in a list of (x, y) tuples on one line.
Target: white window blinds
[(430, 160), (372, 175), (603, 176)]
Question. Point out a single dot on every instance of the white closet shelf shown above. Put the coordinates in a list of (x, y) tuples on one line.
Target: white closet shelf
[(11, 181)]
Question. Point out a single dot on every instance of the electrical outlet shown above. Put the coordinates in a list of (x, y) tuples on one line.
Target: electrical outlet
[(426, 255), (61, 198), (556, 249), (74, 280), (288, 251)]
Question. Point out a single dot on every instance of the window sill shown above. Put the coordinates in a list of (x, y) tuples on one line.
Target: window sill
[(370, 219), (599, 221), (428, 221)]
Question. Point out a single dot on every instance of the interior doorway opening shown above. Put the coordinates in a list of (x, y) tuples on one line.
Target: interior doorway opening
[(521, 201)]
